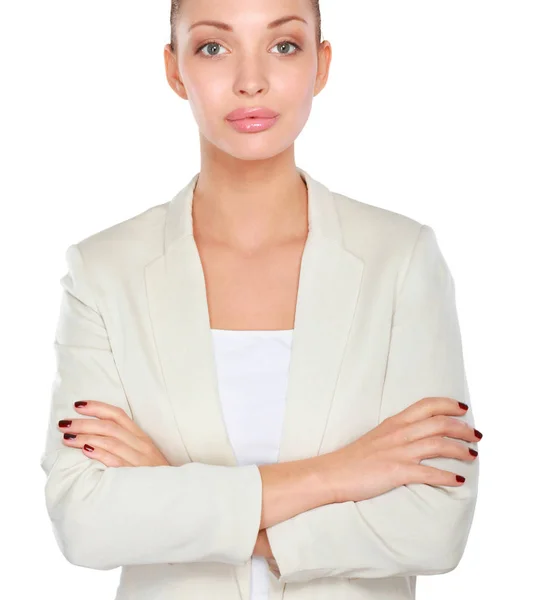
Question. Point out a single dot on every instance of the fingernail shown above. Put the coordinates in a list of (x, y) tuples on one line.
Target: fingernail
[(473, 452), (65, 423), (463, 405), (88, 448), (460, 478), (478, 433), (69, 436), (80, 403)]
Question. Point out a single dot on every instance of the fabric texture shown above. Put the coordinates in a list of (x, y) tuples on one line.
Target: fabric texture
[(376, 329)]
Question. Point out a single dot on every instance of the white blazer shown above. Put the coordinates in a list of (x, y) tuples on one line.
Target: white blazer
[(376, 329)]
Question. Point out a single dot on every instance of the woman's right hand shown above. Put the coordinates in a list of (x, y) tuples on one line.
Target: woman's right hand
[(389, 455)]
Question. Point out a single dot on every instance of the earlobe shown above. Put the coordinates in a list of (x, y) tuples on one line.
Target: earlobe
[(320, 82), (180, 89)]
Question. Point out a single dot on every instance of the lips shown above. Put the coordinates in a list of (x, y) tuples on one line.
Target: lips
[(258, 112)]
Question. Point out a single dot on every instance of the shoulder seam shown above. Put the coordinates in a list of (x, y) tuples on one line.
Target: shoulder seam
[(411, 254)]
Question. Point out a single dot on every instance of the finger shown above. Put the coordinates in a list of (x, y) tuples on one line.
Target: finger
[(438, 446), (107, 428), (439, 425), (432, 476), (418, 411), (103, 410), (107, 447), (428, 407), (107, 459)]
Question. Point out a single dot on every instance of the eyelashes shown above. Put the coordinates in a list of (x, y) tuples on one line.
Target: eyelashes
[(205, 44)]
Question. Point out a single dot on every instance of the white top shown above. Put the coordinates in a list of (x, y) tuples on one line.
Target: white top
[(252, 368)]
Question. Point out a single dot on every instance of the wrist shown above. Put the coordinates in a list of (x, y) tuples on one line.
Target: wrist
[(327, 472)]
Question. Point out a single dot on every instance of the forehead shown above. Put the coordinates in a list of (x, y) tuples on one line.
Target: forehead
[(243, 14)]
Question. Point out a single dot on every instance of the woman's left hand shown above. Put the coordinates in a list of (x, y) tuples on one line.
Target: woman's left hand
[(113, 438)]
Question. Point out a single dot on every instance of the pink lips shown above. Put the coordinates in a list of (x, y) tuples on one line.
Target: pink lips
[(245, 113), (250, 120)]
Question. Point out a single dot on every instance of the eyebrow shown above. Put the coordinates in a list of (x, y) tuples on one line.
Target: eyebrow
[(272, 25)]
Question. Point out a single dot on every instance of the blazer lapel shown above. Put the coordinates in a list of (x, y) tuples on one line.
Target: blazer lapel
[(329, 284)]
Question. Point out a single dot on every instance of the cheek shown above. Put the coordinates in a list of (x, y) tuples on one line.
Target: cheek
[(207, 94), (295, 81), (296, 94)]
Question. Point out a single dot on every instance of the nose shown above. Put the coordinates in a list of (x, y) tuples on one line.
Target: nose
[(251, 78), (251, 89)]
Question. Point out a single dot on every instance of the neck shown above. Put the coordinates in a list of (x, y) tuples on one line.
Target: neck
[(250, 205)]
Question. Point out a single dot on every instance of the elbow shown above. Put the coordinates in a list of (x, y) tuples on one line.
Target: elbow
[(76, 538), (450, 550), (442, 532), (444, 549), (73, 521), (436, 555), (80, 554), (432, 544), (446, 559)]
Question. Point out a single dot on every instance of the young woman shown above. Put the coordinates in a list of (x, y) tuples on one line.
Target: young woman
[(260, 389)]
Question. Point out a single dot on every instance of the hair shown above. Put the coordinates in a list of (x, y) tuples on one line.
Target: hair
[(175, 12)]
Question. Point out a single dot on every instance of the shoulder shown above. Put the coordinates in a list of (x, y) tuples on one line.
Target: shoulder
[(124, 248), (393, 242), (369, 228), (140, 233)]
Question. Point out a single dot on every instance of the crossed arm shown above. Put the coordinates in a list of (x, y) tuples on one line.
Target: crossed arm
[(411, 530), (414, 529)]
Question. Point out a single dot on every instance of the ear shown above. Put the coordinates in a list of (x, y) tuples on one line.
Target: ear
[(324, 56), (172, 72)]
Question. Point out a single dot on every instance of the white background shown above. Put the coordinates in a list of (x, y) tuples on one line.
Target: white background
[(436, 110)]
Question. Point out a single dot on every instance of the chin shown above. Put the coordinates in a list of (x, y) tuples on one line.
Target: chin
[(252, 146), (251, 154)]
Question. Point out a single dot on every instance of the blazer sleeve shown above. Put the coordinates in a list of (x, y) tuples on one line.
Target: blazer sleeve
[(105, 517), (415, 529)]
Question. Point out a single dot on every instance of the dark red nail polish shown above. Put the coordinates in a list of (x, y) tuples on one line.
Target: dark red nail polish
[(478, 433), (473, 452), (460, 478), (80, 403), (69, 436), (88, 448), (463, 405), (65, 423)]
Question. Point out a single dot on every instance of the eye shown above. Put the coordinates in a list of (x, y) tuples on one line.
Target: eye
[(216, 48), (286, 43), (212, 44)]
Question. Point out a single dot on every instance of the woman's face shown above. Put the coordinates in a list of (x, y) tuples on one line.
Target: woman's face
[(219, 70)]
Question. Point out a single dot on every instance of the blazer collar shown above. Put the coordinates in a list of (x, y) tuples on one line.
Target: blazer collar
[(329, 286)]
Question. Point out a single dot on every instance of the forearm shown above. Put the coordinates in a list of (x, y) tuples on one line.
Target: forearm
[(293, 487)]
